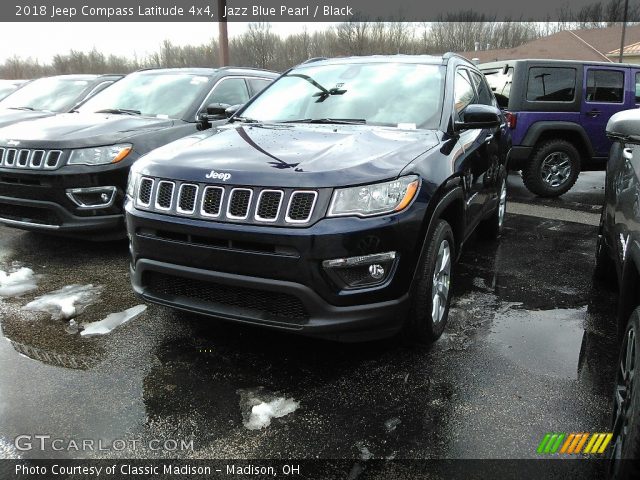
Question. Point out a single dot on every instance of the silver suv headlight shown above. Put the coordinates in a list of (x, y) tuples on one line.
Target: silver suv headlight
[(374, 199), (99, 155)]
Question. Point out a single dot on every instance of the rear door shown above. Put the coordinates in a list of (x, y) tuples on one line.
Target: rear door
[(603, 94)]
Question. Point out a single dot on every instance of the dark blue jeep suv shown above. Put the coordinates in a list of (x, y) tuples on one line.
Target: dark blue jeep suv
[(333, 204)]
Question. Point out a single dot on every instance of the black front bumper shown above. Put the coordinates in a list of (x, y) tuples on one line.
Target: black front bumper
[(273, 276), (38, 201)]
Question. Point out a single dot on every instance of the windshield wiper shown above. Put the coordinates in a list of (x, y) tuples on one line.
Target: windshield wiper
[(31, 109), (122, 111), (243, 120), (339, 121), (324, 93)]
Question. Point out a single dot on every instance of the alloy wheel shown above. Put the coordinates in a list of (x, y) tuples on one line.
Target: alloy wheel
[(556, 169), (441, 282)]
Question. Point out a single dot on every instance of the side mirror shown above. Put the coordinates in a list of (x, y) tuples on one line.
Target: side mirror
[(229, 112), (213, 111), (479, 116), (216, 111)]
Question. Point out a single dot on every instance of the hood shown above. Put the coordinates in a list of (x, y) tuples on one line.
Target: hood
[(292, 155), (78, 130), (9, 116)]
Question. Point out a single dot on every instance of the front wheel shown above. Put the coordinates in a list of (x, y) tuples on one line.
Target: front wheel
[(431, 295), (553, 169), (625, 453)]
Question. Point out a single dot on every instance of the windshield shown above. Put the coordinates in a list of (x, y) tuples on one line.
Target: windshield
[(151, 94), (55, 94), (500, 83), (398, 95), (6, 89)]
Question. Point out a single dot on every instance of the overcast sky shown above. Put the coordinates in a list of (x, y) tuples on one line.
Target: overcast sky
[(43, 40)]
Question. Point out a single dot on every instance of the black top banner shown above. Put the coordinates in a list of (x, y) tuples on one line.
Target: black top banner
[(314, 10)]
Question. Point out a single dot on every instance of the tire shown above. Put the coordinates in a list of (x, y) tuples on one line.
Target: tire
[(491, 228), (556, 160), (625, 448), (432, 284)]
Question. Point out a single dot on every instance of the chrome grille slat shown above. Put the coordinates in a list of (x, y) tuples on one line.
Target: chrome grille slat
[(187, 196), (31, 159), (268, 205), (255, 205), (164, 195), (144, 191), (212, 201), (239, 203), (301, 205)]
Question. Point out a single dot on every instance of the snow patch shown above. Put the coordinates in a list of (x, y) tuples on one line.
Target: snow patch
[(258, 408), (66, 302), (7, 450), (112, 321), (17, 283)]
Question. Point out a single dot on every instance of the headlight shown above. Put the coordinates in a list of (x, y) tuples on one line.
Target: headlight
[(134, 177), (99, 155), (131, 183), (375, 199)]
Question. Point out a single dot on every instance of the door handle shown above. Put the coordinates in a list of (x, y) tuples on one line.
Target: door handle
[(627, 153), (593, 113)]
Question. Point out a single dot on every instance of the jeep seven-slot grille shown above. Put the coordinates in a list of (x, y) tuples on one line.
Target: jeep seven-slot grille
[(30, 158), (252, 302), (226, 203)]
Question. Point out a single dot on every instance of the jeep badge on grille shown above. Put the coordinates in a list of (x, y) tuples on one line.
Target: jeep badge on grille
[(213, 175)]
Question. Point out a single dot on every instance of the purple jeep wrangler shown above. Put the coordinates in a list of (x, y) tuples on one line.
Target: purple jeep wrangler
[(558, 110)]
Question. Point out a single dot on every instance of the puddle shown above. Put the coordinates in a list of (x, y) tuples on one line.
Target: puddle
[(544, 341), (65, 303)]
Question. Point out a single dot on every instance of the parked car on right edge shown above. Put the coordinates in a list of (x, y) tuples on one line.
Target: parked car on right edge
[(618, 261), (557, 111)]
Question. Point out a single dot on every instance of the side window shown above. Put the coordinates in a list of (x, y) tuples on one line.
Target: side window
[(98, 88), (550, 84), (485, 96), (500, 84), (462, 91), (257, 85), (231, 91), (605, 86), (637, 87)]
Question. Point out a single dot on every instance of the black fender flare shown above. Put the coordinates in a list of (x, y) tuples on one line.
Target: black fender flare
[(538, 128), (444, 200), (629, 284)]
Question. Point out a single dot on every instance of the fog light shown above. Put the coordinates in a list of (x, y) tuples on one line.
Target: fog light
[(376, 271), (363, 271), (92, 197)]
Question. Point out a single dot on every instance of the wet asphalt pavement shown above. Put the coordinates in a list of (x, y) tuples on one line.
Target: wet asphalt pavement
[(530, 348)]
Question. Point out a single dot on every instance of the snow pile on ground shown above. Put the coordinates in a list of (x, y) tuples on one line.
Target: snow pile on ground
[(66, 302), (17, 283), (258, 408), (112, 321)]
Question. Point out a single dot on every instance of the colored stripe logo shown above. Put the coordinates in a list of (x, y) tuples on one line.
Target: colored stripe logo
[(574, 443)]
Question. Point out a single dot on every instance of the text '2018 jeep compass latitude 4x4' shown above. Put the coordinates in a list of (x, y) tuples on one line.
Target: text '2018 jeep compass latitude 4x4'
[(334, 203)]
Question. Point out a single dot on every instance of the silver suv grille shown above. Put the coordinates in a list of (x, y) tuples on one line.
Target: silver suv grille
[(31, 159), (228, 203)]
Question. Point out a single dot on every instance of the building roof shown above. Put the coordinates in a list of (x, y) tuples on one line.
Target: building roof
[(587, 45), (633, 49)]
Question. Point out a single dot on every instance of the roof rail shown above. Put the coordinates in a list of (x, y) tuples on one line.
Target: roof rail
[(231, 67), (314, 59)]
